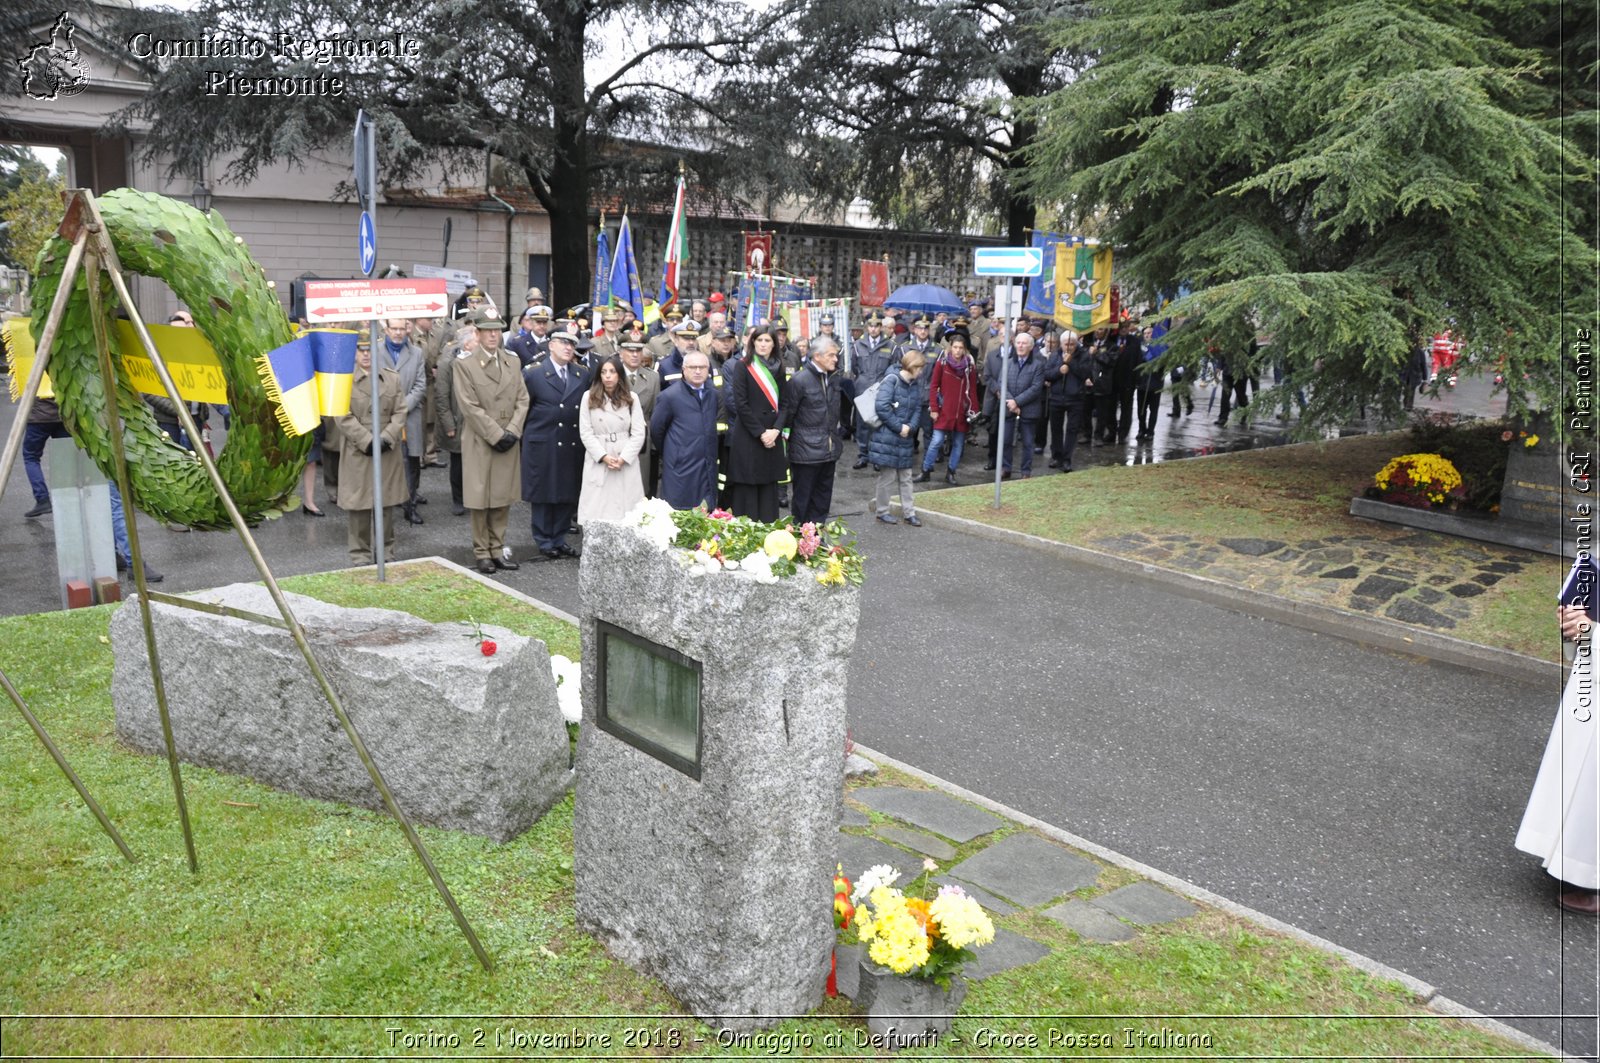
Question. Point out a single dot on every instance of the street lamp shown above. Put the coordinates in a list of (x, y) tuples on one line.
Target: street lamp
[(201, 196)]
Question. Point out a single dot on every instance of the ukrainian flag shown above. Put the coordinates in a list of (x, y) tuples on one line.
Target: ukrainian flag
[(310, 377)]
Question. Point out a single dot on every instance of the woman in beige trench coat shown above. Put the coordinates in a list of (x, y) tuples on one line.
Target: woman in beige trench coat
[(611, 426)]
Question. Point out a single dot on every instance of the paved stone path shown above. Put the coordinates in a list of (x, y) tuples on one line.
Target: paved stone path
[(1014, 872), (1421, 578)]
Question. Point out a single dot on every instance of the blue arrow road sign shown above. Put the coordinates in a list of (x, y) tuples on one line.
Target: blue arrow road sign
[(1008, 261), (367, 244)]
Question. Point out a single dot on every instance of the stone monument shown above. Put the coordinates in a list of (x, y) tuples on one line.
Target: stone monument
[(467, 742), (709, 793)]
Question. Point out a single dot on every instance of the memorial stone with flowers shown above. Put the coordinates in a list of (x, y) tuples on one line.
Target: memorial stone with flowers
[(711, 756)]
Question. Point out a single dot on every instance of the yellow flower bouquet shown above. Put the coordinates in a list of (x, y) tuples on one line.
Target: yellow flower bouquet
[(913, 935), (1421, 481)]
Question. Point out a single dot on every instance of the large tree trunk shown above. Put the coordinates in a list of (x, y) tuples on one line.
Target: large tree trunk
[(570, 248), (1020, 207)]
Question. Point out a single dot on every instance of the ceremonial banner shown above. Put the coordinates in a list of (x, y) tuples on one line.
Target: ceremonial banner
[(677, 252), (189, 357), (1082, 281), (601, 297), (756, 298), (874, 282), (625, 290), (758, 252), (1042, 289)]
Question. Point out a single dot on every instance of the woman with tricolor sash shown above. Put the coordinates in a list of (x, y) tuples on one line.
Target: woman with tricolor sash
[(757, 459)]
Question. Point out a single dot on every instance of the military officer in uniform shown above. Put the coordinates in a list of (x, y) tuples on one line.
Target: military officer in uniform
[(609, 341), (661, 343), (487, 387), (364, 438), (532, 342), (685, 338), (552, 452), (644, 383)]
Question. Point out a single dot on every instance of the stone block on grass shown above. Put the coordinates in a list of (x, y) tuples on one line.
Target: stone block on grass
[(464, 741)]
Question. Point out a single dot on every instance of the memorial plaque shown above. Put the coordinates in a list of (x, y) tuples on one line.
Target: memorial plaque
[(649, 696)]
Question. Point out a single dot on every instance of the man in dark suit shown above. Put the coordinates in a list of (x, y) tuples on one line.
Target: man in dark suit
[(552, 453), (684, 429)]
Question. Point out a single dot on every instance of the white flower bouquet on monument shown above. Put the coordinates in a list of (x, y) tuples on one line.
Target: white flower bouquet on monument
[(710, 542)]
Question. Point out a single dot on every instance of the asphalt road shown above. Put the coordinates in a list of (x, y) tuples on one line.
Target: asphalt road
[(1365, 797)]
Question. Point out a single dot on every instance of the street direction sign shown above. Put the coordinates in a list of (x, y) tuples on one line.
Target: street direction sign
[(366, 243), (1008, 261), (456, 280), (360, 300)]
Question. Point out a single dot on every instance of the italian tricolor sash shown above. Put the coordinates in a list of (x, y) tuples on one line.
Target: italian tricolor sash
[(763, 378)]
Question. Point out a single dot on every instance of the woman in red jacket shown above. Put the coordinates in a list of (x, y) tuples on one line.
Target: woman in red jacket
[(953, 402)]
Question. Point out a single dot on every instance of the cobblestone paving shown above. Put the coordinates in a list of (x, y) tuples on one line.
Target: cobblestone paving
[(1432, 581)]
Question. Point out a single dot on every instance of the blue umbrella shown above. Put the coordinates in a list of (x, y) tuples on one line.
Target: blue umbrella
[(925, 299)]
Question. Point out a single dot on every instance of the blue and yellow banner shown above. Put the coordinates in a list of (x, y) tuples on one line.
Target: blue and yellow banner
[(310, 377)]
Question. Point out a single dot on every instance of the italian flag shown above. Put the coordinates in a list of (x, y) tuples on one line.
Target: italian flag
[(677, 252)]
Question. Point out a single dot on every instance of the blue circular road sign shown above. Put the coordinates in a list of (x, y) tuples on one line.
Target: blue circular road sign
[(367, 243)]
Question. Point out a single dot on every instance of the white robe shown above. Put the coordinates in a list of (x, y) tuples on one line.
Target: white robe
[(1562, 823)]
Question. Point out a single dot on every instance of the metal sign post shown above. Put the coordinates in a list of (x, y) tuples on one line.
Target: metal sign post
[(1019, 263), (366, 174)]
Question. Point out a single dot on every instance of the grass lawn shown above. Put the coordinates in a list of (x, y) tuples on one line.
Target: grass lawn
[(311, 930), (1290, 493)]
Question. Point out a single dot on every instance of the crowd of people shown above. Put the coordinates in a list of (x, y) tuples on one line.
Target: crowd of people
[(582, 424)]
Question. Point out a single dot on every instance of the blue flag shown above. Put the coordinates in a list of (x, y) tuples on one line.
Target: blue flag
[(602, 268), (625, 289)]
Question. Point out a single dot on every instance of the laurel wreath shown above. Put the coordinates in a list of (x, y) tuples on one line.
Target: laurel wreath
[(226, 291)]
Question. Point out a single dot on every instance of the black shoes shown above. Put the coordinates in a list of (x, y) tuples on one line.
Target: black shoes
[(989, 467), (457, 509), (924, 476), (412, 516), (1006, 475), (486, 566), (150, 574), (562, 551), (950, 478), (861, 463), (1055, 463), (41, 510), (508, 565), (308, 511)]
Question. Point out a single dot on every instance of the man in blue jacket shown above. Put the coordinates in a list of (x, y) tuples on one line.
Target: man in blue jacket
[(684, 430), (1024, 399)]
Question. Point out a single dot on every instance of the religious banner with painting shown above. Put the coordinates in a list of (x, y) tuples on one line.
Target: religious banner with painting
[(758, 252), (874, 282)]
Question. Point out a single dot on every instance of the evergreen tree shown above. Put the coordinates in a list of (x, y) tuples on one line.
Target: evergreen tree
[(1346, 175)]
